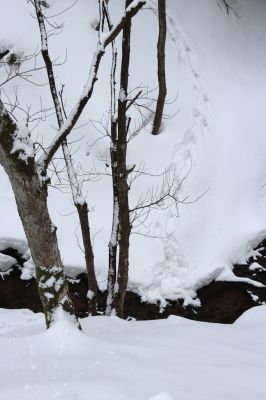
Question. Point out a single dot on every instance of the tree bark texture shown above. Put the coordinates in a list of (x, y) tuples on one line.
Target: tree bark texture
[(124, 220), (89, 257), (112, 246), (31, 200), (160, 68), (82, 208)]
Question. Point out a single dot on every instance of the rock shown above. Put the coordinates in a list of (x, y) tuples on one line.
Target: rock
[(221, 302)]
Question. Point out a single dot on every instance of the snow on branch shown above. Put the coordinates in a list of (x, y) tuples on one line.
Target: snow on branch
[(21, 141), (104, 40)]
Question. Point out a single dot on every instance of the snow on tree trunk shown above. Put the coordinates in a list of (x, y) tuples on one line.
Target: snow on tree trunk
[(74, 182), (31, 199), (111, 280)]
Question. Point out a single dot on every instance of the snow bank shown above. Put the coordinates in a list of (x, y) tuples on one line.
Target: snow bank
[(17, 244), (114, 359), (6, 262), (256, 315)]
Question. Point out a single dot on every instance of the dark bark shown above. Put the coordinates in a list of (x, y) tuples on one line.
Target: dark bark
[(82, 209), (124, 221), (31, 200), (89, 257), (160, 68), (3, 54), (105, 7), (112, 246)]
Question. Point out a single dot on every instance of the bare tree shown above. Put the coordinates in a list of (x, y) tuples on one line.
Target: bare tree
[(160, 68), (75, 185), (122, 129), (118, 152), (113, 242), (31, 197), (28, 177), (122, 186)]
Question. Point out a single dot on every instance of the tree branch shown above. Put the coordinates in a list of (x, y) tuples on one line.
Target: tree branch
[(70, 122)]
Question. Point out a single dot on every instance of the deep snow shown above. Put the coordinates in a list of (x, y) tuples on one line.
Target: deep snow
[(216, 63), (172, 359)]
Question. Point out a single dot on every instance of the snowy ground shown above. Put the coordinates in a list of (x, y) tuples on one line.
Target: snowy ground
[(216, 63), (173, 359)]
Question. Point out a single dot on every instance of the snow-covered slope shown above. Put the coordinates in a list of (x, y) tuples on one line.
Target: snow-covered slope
[(113, 359), (216, 63)]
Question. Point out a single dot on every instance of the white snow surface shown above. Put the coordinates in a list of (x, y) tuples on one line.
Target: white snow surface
[(113, 359), (6, 262), (216, 64)]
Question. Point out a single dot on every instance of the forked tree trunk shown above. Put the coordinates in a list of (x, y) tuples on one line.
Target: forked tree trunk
[(75, 185), (31, 199), (160, 68)]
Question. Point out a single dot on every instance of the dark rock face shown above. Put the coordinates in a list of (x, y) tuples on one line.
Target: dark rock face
[(221, 302)]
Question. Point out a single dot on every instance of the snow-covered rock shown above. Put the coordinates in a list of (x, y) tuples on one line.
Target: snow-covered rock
[(6, 262)]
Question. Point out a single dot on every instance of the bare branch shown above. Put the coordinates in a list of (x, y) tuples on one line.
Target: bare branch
[(104, 41)]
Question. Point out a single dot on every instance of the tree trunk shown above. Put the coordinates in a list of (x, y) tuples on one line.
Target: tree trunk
[(83, 213), (124, 221), (31, 199), (75, 185), (112, 247), (160, 68), (89, 257), (124, 234)]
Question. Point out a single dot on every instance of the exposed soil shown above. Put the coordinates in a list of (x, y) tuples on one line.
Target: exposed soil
[(221, 302)]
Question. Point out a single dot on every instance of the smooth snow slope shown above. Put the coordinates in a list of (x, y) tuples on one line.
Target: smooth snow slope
[(173, 359), (216, 64)]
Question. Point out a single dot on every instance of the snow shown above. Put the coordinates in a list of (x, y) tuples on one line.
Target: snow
[(6, 262), (256, 266), (256, 315), (113, 359), (16, 244), (90, 294), (216, 65), (162, 396), (229, 276), (22, 144)]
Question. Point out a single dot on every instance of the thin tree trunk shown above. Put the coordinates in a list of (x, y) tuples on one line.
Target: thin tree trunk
[(123, 264), (31, 199), (89, 257), (83, 213), (160, 68), (113, 242), (81, 206), (112, 246), (124, 221)]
